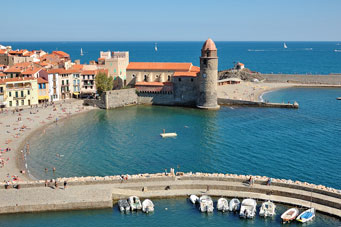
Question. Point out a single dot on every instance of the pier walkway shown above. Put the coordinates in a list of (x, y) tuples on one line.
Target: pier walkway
[(233, 102), (103, 192)]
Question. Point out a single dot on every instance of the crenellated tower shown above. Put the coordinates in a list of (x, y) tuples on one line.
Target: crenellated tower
[(208, 76)]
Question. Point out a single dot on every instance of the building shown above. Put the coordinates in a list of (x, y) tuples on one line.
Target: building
[(43, 90), (208, 76), (116, 63), (21, 92), (88, 86), (239, 66), (182, 84), (2, 93), (54, 84), (65, 77)]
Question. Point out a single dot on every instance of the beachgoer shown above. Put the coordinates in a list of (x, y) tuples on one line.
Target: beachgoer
[(45, 183), (207, 188), (56, 185), (54, 169), (46, 169), (65, 183), (269, 181)]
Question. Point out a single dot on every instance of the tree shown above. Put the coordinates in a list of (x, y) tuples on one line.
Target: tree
[(103, 82)]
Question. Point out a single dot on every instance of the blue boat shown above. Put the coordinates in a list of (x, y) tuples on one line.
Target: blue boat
[(306, 215)]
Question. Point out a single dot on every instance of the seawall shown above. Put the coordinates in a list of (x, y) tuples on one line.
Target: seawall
[(233, 102), (102, 192), (303, 79)]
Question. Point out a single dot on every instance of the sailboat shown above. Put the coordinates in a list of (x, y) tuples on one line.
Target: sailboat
[(155, 47), (82, 52), (285, 46)]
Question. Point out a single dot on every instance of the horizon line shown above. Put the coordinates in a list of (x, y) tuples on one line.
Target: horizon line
[(172, 41)]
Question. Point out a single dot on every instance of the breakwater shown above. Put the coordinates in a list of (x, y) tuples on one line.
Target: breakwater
[(233, 102), (102, 192), (333, 79)]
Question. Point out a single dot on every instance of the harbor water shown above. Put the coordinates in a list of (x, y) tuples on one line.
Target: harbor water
[(302, 144)]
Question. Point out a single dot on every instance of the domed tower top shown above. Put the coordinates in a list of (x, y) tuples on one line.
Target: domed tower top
[(209, 45), (209, 49)]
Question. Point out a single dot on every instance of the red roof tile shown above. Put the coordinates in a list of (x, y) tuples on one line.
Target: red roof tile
[(41, 81), (171, 66), (188, 74), (61, 54)]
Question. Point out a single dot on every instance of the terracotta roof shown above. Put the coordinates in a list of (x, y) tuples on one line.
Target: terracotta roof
[(53, 71), (41, 81), (13, 70), (31, 71), (172, 66), (209, 45), (3, 51), (101, 58), (77, 67), (89, 72), (61, 53), (195, 69), (189, 74), (149, 84), (17, 79), (240, 63), (2, 75)]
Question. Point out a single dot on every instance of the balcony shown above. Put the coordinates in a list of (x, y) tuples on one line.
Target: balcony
[(19, 98)]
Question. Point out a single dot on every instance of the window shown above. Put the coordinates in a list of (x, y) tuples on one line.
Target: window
[(179, 79), (22, 102), (10, 102), (192, 80), (62, 82), (28, 92), (169, 77), (145, 77), (22, 93), (16, 94), (10, 94), (39, 86)]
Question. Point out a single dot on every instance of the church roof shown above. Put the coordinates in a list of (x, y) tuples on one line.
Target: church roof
[(171, 66), (209, 45)]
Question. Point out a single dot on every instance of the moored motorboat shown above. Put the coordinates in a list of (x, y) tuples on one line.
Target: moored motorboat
[(306, 216), (135, 203), (206, 204), (123, 205), (338, 98), (289, 215), (248, 208), (234, 205), (267, 209), (222, 205), (147, 206), (194, 199)]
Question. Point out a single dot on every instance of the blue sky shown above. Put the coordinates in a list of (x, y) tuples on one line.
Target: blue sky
[(175, 20)]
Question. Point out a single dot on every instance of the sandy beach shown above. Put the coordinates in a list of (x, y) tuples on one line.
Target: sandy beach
[(16, 127)]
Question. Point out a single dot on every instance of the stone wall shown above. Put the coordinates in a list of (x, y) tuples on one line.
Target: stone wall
[(156, 99), (185, 90), (118, 98), (304, 79)]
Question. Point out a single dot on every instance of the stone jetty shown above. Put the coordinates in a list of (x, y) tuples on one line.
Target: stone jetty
[(103, 192)]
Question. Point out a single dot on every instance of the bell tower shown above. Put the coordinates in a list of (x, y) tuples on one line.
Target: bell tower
[(207, 81)]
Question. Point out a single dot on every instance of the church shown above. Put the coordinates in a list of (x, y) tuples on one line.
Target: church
[(183, 84)]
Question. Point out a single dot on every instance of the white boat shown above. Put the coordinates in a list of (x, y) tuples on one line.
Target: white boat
[(147, 206), (338, 98), (134, 203), (82, 52), (248, 208), (337, 50), (268, 209), (289, 215), (155, 47), (285, 46), (306, 216), (223, 205), (123, 205), (234, 205), (168, 134), (194, 199), (206, 204)]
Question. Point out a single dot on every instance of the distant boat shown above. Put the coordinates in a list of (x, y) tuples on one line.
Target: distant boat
[(338, 98), (155, 47), (82, 52), (285, 46), (337, 50)]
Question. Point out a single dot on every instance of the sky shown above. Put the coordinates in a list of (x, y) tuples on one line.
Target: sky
[(170, 20)]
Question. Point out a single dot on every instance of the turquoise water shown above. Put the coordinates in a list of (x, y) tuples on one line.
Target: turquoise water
[(265, 57), (179, 212), (301, 144)]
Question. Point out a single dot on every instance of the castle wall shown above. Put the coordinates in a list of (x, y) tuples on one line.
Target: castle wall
[(185, 90), (118, 98)]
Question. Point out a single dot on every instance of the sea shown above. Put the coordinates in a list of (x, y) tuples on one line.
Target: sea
[(298, 144)]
